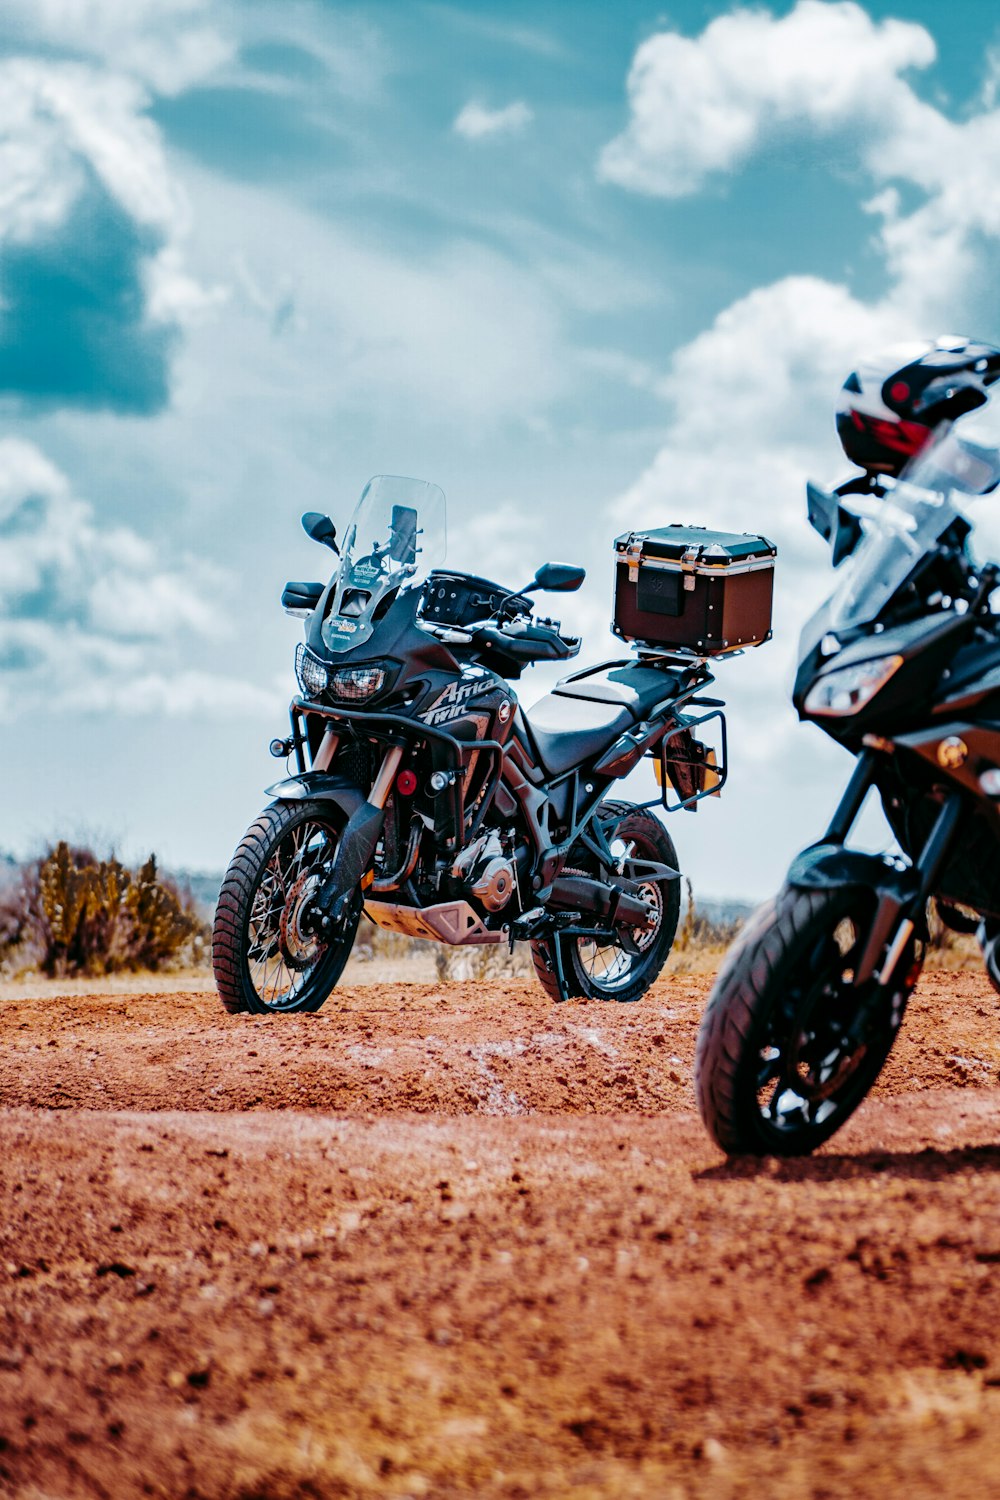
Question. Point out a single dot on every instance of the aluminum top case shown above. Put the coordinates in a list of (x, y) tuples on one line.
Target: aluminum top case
[(685, 588)]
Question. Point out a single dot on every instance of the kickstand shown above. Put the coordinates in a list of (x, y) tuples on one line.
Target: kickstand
[(557, 964), (538, 925)]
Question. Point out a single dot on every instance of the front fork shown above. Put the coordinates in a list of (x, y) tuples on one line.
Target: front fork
[(353, 856), (896, 914)]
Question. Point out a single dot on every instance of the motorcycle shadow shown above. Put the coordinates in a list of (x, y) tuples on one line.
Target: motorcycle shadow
[(926, 1165)]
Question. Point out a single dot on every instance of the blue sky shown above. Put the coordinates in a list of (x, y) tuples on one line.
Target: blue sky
[(588, 267)]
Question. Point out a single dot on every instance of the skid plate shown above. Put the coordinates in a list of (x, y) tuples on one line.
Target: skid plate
[(452, 922)]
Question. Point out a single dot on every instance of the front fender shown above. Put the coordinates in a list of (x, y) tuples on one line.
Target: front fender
[(321, 786), (831, 866), (356, 844)]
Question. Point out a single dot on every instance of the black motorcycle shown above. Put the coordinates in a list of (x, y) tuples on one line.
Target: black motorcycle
[(425, 795), (902, 667)]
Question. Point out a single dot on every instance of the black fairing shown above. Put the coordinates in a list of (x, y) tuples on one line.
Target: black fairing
[(928, 647), (396, 636)]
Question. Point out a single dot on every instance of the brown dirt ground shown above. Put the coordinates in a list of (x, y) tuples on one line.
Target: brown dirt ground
[(452, 1240)]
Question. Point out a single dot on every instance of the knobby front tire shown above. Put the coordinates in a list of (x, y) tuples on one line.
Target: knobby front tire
[(265, 957)]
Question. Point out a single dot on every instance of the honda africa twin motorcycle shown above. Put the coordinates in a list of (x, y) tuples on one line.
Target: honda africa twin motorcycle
[(427, 797), (901, 666)]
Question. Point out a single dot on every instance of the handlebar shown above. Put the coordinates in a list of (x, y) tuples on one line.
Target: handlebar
[(527, 641)]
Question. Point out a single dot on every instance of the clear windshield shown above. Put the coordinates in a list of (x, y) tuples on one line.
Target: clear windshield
[(897, 534), (962, 456), (396, 535), (959, 463)]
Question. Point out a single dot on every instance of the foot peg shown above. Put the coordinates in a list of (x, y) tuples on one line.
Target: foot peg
[(538, 923)]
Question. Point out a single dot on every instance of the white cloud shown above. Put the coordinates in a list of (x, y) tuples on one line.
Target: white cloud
[(702, 105), (168, 44), (66, 127), (59, 122), (93, 618), (710, 104), (476, 123)]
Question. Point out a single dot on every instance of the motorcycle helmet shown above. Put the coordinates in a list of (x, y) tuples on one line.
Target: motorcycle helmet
[(890, 404)]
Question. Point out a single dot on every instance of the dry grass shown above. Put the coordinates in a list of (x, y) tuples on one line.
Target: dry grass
[(382, 957)]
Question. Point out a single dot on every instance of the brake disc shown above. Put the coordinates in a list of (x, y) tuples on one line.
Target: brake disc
[(299, 947)]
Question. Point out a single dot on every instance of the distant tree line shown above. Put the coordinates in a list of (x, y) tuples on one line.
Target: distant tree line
[(73, 912)]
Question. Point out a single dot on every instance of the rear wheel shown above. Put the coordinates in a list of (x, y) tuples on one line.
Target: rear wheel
[(621, 970), (266, 956), (789, 1045)]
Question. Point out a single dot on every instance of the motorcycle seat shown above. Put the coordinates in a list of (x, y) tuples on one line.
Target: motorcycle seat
[(637, 688), (566, 731)]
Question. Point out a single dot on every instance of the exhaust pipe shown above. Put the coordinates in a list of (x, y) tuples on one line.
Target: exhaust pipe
[(593, 896)]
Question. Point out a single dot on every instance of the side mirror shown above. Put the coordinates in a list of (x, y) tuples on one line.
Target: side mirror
[(833, 521), (321, 529), (557, 578)]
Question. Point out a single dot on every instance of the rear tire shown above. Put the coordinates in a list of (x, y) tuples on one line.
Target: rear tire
[(775, 1071), (266, 960), (611, 972)]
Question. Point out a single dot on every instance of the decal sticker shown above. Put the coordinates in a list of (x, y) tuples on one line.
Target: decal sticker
[(451, 702)]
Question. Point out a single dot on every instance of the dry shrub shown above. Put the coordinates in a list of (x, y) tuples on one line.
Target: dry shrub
[(947, 949), (701, 940), (482, 961), (72, 912)]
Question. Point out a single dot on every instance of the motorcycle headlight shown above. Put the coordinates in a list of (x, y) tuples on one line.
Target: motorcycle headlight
[(844, 692), (314, 677), (357, 683)]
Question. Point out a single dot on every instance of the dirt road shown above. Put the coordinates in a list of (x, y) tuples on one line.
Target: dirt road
[(457, 1241)]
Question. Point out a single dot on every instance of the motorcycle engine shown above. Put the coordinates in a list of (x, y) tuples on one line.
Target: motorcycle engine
[(486, 871)]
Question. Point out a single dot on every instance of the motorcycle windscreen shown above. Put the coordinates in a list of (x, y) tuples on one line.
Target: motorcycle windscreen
[(962, 456), (396, 535), (898, 533)]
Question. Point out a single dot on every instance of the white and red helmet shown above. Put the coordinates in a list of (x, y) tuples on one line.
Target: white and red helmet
[(891, 403)]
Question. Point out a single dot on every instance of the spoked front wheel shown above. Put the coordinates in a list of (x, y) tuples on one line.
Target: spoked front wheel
[(266, 954), (789, 1045)]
